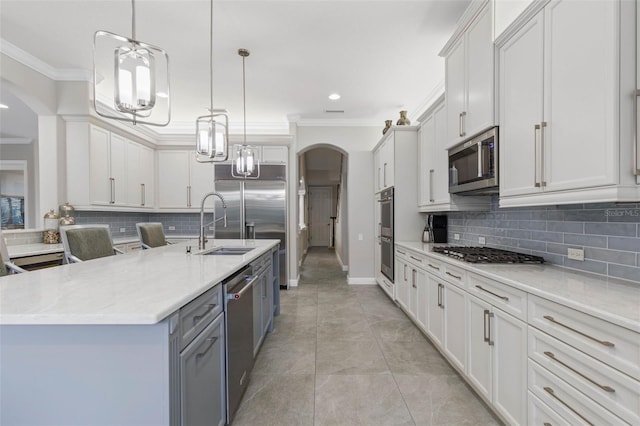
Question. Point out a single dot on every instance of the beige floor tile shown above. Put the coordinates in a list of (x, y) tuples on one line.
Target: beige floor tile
[(415, 357), (349, 357)]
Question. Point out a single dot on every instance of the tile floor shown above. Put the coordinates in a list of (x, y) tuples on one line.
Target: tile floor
[(347, 355)]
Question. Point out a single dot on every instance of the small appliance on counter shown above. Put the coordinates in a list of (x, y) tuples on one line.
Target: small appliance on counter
[(435, 230)]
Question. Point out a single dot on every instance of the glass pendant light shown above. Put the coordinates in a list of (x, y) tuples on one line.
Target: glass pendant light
[(246, 165), (212, 131), (130, 78)]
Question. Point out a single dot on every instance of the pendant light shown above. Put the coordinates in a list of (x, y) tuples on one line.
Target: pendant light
[(212, 131), (130, 78), (246, 165)]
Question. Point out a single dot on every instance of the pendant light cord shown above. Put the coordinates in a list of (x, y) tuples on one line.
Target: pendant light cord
[(133, 19), (211, 59), (244, 102)]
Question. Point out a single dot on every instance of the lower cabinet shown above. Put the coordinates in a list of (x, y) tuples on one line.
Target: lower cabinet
[(263, 306), (202, 377), (497, 362)]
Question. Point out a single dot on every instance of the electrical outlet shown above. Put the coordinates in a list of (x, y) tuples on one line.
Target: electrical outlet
[(172, 228), (123, 229), (482, 240), (360, 237), (575, 254), (456, 236)]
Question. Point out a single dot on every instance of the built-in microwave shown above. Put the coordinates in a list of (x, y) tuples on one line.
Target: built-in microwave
[(473, 165)]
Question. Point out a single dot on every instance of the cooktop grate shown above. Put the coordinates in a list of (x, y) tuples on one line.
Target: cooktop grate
[(487, 255)]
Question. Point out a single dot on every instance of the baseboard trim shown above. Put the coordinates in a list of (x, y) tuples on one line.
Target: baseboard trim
[(361, 281), (294, 282)]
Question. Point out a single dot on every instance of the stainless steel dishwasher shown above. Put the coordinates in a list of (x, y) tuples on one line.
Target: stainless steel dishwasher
[(239, 300)]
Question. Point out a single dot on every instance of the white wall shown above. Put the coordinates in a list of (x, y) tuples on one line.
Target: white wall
[(341, 226), (357, 143)]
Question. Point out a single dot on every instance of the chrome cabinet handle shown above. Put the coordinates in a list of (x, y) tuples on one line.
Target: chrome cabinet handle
[(505, 298), (602, 342), (603, 387), (384, 174), (143, 194), (416, 259), (431, 173), (440, 301), (434, 267), (487, 315), (546, 424), (405, 272), (636, 166), (198, 318), (553, 394), (413, 278), (112, 199), (379, 180), (212, 341), (401, 252), (536, 129), (542, 127), (189, 196), (454, 276), (461, 123)]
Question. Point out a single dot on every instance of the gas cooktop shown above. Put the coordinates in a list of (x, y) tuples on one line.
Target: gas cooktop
[(487, 255)]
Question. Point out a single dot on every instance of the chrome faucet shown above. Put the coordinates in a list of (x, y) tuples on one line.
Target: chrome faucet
[(202, 241)]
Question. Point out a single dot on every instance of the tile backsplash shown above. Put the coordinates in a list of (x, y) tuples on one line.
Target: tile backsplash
[(124, 224), (609, 233)]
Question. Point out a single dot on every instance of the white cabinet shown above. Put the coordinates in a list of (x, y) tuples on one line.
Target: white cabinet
[(106, 169), (497, 359), (182, 181), (433, 166), (275, 154), (384, 163), (548, 62), (140, 188), (469, 75)]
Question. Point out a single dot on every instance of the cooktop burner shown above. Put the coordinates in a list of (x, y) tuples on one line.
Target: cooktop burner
[(487, 255)]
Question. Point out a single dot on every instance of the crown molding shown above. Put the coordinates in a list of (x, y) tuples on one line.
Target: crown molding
[(345, 122), (428, 101), (27, 59), (463, 23)]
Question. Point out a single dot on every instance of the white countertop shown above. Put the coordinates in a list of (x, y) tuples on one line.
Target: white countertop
[(614, 300), (142, 287)]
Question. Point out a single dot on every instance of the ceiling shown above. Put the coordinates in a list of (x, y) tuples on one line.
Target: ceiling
[(380, 56)]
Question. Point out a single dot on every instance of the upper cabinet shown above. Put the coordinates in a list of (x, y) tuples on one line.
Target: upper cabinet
[(383, 159), (469, 74), (564, 104), (433, 166), (183, 181), (266, 154), (105, 169)]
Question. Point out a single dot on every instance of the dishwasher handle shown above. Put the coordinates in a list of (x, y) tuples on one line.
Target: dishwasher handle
[(250, 279)]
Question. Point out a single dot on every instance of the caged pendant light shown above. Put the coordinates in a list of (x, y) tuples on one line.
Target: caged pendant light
[(246, 164), (130, 78), (212, 131)]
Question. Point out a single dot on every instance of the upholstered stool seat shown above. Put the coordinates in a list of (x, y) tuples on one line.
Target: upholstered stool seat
[(86, 242), (151, 234)]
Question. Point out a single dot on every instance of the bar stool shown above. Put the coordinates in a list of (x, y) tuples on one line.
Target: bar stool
[(151, 234), (86, 242), (6, 266)]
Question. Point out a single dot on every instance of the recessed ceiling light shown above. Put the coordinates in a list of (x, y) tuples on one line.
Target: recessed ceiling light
[(3, 106), (334, 96)]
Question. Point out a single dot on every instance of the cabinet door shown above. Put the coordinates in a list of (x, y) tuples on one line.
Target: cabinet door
[(173, 179), (413, 291), (147, 176), (202, 378), (99, 154), (440, 159), (509, 366), (455, 93), (435, 317), (257, 316), (134, 174), (118, 165), (274, 154), (479, 67), (377, 165), (422, 300), (201, 181), (581, 53), (521, 79), (455, 325), (402, 282), (388, 165), (479, 365), (426, 164), (267, 304)]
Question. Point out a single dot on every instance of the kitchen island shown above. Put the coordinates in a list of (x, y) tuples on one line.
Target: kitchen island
[(102, 342)]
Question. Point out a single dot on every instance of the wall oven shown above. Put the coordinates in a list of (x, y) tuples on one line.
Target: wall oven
[(386, 233), (473, 165)]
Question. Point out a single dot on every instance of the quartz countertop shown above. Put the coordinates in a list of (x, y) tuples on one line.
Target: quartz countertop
[(614, 300), (141, 287)]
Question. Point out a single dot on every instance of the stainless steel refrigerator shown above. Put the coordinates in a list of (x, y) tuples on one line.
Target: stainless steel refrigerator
[(260, 204)]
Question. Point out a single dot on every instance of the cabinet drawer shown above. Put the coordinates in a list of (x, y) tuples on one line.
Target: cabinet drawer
[(455, 275), (434, 266), (615, 391), (540, 414), (614, 345), (500, 295), (566, 400), (195, 316), (402, 253)]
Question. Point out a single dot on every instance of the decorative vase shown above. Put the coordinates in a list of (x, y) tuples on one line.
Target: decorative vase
[(387, 126), (403, 120)]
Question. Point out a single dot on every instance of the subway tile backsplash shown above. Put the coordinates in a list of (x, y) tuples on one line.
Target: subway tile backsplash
[(186, 224), (609, 233)]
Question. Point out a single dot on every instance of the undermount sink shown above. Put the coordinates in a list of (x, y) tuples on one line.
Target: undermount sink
[(226, 251)]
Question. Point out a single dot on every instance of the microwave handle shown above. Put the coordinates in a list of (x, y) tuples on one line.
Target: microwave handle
[(480, 159)]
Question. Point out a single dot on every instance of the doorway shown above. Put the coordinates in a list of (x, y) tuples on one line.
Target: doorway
[(320, 212)]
